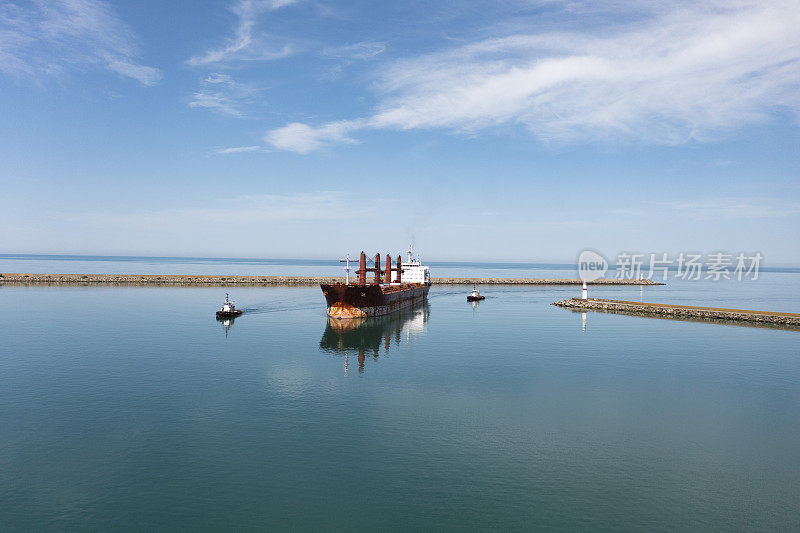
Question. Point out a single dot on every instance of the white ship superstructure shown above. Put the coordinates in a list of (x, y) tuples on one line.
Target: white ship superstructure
[(413, 270)]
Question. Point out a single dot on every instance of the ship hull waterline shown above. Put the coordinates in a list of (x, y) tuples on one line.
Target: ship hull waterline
[(361, 301)]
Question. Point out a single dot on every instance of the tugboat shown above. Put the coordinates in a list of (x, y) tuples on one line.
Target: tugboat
[(475, 296), (228, 309)]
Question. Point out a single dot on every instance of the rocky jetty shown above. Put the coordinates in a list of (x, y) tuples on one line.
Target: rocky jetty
[(162, 279), (539, 281), (187, 279), (682, 311)]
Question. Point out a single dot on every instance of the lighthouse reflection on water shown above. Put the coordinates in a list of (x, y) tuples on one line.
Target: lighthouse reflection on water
[(374, 336)]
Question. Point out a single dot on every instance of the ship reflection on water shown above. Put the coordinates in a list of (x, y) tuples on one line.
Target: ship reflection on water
[(227, 323), (360, 337)]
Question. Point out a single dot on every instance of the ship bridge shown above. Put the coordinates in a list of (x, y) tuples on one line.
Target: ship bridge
[(413, 270)]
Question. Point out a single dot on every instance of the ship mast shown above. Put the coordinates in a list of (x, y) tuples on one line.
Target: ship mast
[(346, 260)]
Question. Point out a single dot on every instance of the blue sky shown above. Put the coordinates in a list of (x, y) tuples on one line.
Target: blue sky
[(497, 130)]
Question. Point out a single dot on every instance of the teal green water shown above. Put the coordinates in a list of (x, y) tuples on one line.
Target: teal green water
[(133, 408)]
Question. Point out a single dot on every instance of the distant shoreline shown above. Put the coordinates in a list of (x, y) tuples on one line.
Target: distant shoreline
[(204, 280)]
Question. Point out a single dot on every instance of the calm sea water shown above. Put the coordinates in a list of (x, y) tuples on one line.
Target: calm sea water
[(133, 408)]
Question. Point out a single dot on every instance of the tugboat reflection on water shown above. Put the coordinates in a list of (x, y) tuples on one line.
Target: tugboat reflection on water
[(362, 336), (227, 323)]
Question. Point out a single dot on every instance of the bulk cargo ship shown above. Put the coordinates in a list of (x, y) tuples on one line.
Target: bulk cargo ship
[(384, 294)]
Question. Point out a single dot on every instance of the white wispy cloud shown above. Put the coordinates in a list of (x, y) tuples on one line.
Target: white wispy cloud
[(357, 51), (141, 73), (258, 225), (725, 208), (247, 43), (683, 73), (301, 138), (238, 149), (346, 55), (247, 210), (52, 37), (222, 94)]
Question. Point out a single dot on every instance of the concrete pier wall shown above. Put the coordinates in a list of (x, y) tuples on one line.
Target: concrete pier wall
[(682, 311), (188, 279), (538, 281)]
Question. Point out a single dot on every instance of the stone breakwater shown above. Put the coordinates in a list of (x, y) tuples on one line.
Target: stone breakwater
[(682, 311), (162, 279), (187, 279), (539, 281)]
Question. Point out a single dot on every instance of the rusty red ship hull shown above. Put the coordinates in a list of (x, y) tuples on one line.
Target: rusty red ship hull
[(359, 301)]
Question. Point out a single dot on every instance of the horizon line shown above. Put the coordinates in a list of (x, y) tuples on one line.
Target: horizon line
[(517, 262)]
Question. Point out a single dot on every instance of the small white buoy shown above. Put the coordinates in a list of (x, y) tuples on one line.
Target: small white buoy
[(585, 294)]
